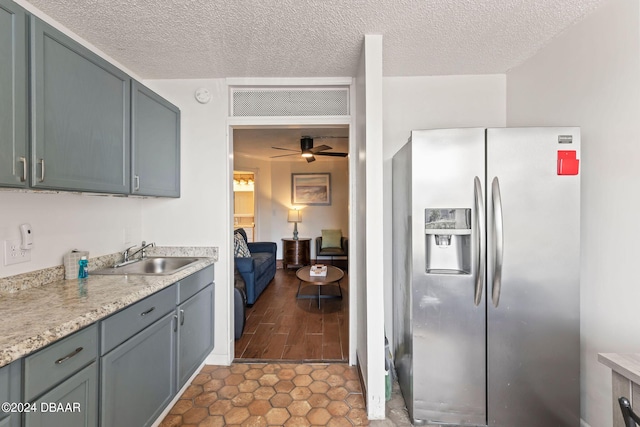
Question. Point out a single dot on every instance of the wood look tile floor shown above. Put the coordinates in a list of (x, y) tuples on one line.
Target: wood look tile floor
[(280, 327)]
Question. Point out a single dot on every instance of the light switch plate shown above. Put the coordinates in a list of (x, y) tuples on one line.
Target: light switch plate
[(13, 254)]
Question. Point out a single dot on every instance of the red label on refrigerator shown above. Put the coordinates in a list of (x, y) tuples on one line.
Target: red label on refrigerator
[(567, 162)]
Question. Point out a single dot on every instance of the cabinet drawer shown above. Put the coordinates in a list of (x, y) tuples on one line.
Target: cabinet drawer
[(191, 285), (128, 322), (49, 366)]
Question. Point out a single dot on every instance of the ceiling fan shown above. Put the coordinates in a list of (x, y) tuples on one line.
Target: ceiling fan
[(308, 151)]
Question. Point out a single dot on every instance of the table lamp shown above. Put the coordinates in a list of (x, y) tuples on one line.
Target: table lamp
[(295, 216)]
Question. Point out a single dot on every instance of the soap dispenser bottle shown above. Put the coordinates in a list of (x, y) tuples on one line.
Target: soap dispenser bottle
[(83, 270)]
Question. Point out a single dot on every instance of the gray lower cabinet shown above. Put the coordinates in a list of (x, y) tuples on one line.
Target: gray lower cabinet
[(138, 377), (195, 333), (13, 95), (155, 142), (72, 403), (11, 391), (62, 381), (80, 116)]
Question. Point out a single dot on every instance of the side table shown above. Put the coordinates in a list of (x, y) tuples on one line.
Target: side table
[(296, 252)]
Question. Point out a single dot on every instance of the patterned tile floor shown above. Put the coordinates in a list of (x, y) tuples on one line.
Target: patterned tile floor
[(272, 394)]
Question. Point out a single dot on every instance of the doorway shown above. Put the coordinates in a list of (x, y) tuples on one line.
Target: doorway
[(244, 203), (279, 326)]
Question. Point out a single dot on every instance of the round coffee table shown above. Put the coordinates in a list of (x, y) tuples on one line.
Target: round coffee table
[(334, 275)]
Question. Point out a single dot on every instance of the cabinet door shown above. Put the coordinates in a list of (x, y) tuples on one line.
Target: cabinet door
[(13, 95), (138, 377), (72, 403), (155, 139), (195, 333), (80, 116), (11, 391)]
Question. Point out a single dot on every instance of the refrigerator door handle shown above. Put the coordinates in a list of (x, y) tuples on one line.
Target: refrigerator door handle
[(498, 238), (480, 222)]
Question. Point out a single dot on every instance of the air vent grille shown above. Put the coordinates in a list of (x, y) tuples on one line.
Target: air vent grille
[(290, 102)]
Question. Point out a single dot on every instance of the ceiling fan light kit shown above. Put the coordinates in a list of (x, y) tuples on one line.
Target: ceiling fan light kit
[(308, 151)]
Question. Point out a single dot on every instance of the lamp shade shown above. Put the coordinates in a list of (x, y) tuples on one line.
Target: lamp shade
[(294, 216)]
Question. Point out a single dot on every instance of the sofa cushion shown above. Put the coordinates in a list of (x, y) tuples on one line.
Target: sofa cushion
[(240, 248), (261, 261), (331, 239)]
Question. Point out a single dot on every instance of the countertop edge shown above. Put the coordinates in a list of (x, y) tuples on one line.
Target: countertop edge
[(49, 335), (626, 364)]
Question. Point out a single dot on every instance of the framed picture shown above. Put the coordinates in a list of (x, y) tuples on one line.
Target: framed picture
[(311, 188)]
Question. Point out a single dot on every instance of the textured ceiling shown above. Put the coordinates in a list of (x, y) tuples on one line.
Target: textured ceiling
[(315, 38)]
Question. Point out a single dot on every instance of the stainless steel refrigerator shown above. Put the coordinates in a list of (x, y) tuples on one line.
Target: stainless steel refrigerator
[(486, 256)]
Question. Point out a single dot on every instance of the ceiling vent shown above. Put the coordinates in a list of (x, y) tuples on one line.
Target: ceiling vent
[(287, 102)]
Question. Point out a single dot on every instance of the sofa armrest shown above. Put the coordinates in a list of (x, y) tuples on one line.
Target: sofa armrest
[(262, 247), (345, 245), (244, 265)]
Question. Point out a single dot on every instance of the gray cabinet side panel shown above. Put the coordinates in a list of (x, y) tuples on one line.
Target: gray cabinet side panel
[(13, 95)]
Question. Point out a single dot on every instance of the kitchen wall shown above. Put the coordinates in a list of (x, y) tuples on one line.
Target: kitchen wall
[(273, 192), (590, 77), (65, 221), (431, 103)]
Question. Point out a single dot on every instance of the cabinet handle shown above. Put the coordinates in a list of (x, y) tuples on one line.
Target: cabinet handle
[(69, 356), (41, 161), (175, 328), (136, 179), (23, 178), (181, 317), (147, 312)]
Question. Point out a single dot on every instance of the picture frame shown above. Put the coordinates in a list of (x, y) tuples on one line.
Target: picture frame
[(311, 189)]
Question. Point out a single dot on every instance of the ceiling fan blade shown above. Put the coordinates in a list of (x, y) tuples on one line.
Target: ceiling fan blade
[(286, 149), (310, 159), (332, 154), (284, 155), (320, 148), (330, 137)]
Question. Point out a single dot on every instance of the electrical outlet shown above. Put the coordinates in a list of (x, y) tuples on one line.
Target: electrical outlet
[(13, 254)]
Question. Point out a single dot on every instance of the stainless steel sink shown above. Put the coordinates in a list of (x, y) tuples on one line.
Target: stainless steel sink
[(151, 266)]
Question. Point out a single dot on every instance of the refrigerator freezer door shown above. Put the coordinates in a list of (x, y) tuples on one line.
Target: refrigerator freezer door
[(448, 328), (533, 335)]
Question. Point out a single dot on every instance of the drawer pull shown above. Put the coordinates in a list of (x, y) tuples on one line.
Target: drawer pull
[(148, 311), (23, 160), (69, 356)]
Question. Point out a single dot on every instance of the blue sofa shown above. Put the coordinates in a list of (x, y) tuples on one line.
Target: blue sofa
[(258, 270)]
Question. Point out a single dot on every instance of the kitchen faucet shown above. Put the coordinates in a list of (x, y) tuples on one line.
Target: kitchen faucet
[(127, 257)]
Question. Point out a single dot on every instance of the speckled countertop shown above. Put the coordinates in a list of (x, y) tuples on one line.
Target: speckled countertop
[(626, 364), (38, 314)]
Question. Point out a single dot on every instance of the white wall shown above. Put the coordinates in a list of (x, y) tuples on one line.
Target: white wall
[(262, 194), (61, 222), (590, 77), (431, 103), (202, 214)]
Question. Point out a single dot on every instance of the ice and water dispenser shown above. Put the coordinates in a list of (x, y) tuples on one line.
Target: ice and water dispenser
[(448, 241)]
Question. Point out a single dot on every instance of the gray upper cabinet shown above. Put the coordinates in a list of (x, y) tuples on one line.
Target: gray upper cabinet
[(155, 138), (13, 95), (80, 107)]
